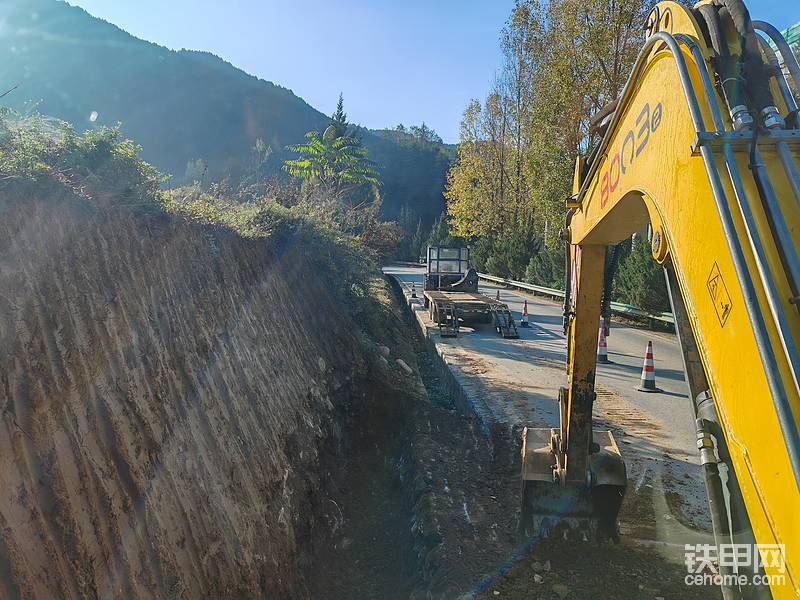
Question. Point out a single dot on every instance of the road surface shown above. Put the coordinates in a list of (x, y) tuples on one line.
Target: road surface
[(517, 382)]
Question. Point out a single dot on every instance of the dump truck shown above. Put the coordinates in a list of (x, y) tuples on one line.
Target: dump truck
[(450, 293)]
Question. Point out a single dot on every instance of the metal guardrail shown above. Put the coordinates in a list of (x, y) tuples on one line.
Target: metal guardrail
[(626, 310)]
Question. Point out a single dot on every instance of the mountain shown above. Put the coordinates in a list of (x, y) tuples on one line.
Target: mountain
[(181, 106)]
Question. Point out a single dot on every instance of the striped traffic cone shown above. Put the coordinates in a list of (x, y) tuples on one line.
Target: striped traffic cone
[(602, 347), (413, 290), (648, 382), (524, 321), (498, 295)]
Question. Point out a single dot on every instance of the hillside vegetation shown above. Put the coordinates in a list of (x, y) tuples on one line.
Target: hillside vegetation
[(563, 60), (44, 156), (196, 116)]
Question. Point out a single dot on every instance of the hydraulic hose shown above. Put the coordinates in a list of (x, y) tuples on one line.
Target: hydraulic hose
[(729, 518), (786, 52), (743, 78), (713, 27), (608, 285), (567, 274), (740, 17), (727, 66), (755, 72)]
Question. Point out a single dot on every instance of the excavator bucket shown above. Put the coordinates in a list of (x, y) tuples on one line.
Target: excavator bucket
[(585, 509)]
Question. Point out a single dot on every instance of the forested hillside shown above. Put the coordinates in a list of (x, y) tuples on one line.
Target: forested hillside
[(195, 115), (563, 61)]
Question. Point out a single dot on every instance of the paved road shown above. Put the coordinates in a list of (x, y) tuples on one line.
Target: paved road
[(516, 382), (626, 347)]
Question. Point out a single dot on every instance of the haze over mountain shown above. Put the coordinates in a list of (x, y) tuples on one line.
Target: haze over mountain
[(185, 105)]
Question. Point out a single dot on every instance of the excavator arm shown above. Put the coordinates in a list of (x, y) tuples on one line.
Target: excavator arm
[(703, 146)]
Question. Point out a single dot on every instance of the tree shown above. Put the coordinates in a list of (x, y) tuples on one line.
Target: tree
[(417, 243), (440, 234), (640, 279), (339, 118), (196, 171), (476, 200), (563, 60), (423, 133), (334, 163), (512, 254), (546, 268), (260, 155), (411, 225)]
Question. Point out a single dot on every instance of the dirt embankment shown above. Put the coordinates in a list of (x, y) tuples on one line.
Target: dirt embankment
[(165, 390)]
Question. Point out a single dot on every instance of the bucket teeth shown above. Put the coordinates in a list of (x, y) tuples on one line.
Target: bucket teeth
[(578, 511)]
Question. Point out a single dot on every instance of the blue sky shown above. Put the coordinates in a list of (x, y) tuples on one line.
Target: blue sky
[(395, 61)]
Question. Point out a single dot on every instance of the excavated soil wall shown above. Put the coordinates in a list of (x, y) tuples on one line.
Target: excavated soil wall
[(165, 390)]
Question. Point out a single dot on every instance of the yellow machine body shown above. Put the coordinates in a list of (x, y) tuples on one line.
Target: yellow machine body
[(660, 164)]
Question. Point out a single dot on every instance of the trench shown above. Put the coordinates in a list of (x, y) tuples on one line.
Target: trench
[(368, 550), (421, 495), (422, 502)]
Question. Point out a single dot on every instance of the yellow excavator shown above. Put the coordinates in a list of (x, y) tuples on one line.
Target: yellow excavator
[(703, 145)]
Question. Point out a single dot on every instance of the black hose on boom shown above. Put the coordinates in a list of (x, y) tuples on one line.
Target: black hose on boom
[(567, 274), (613, 253), (726, 66), (756, 72), (746, 72)]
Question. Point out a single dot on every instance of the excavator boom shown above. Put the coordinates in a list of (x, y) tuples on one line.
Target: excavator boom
[(703, 146)]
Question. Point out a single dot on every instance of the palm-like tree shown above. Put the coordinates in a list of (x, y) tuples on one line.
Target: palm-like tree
[(336, 162)]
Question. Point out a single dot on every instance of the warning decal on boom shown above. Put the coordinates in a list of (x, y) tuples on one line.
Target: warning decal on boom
[(719, 295)]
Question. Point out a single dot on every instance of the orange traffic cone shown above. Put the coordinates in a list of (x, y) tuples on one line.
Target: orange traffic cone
[(602, 347), (648, 382), (524, 321), (498, 294), (413, 290)]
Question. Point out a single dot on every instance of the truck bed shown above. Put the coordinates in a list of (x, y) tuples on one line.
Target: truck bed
[(462, 298)]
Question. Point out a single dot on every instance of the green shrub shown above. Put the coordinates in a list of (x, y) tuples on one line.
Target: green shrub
[(639, 279), (510, 254), (344, 243), (546, 268), (36, 150)]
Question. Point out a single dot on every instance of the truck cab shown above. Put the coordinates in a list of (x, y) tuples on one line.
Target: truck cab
[(449, 270)]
